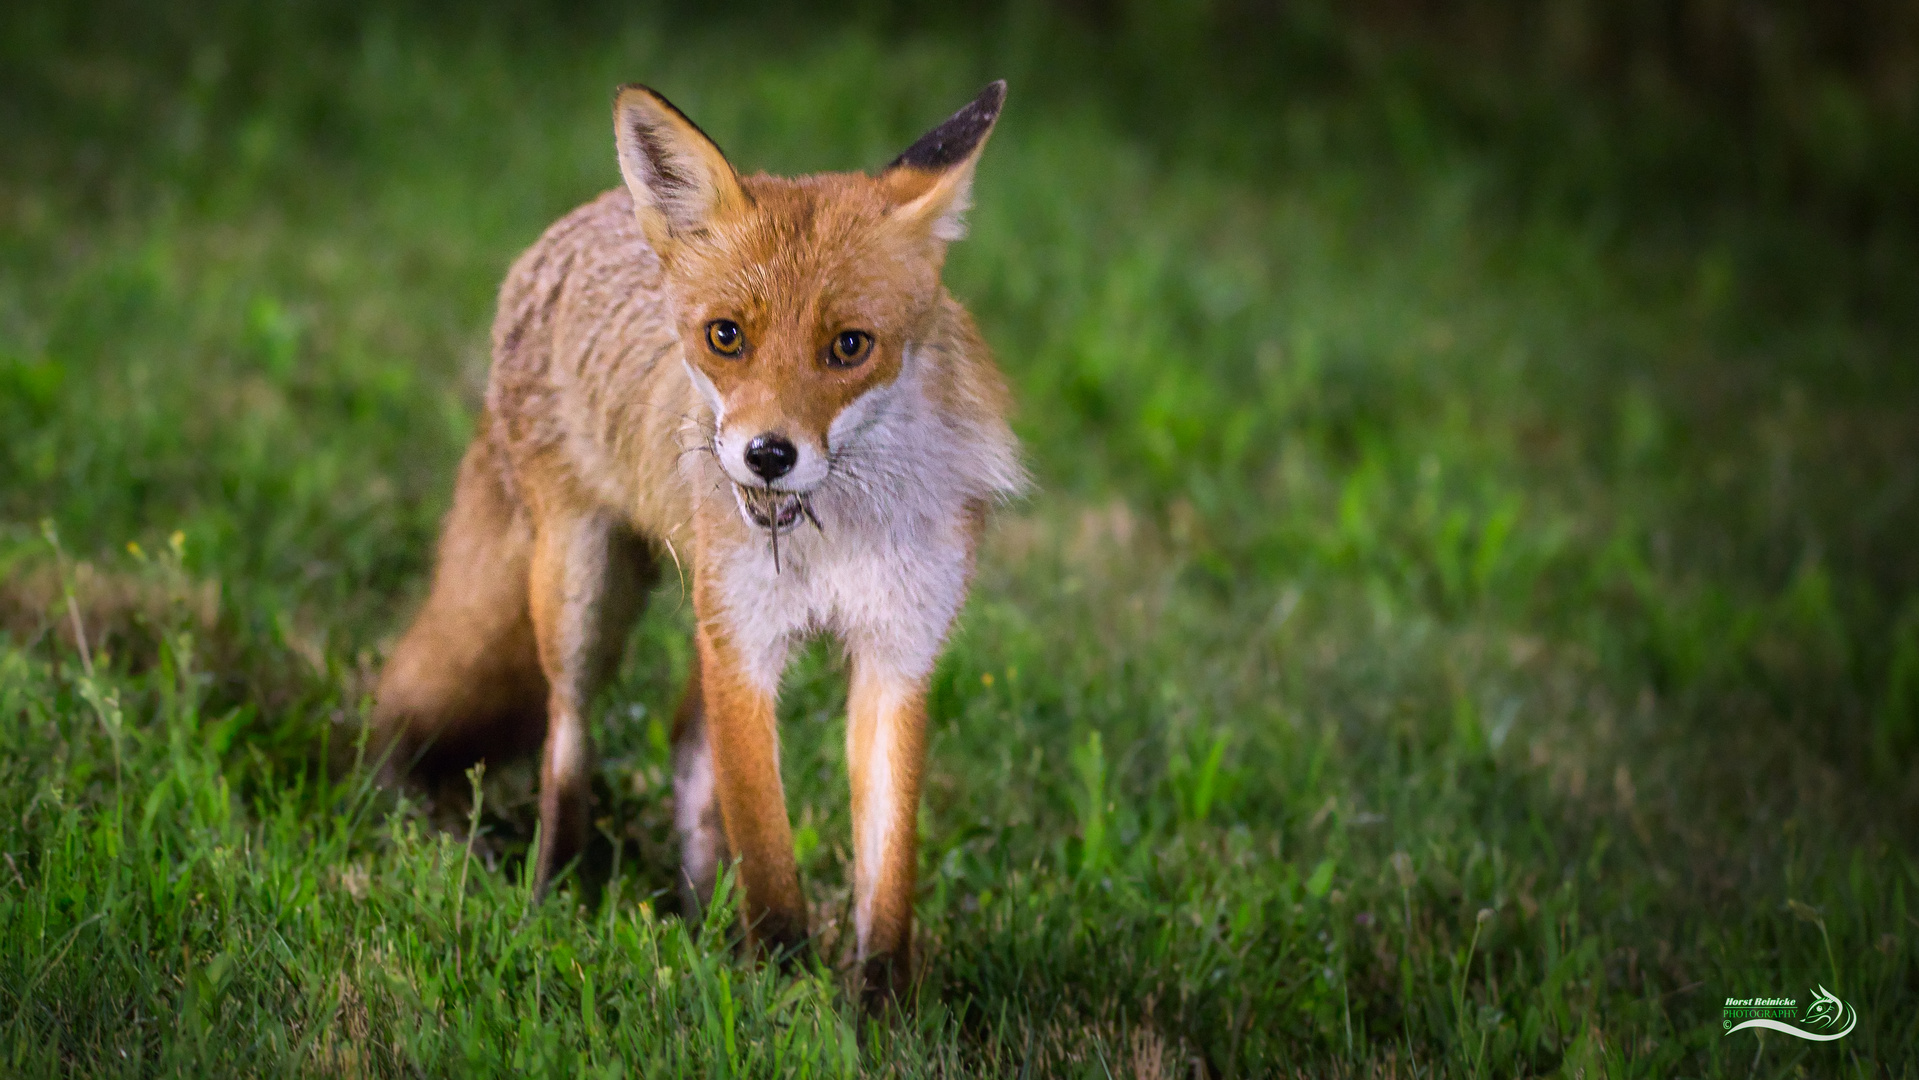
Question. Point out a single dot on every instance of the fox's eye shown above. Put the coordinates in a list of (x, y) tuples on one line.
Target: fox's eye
[(850, 347), (725, 337)]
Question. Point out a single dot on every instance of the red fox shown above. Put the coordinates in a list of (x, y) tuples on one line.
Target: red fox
[(763, 378)]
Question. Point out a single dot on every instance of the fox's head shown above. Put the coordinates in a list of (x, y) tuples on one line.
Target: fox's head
[(799, 301)]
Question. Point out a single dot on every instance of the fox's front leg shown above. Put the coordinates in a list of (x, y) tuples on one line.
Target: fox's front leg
[(885, 754), (587, 580), (744, 743)]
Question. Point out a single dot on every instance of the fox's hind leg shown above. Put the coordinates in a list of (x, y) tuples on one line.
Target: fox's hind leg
[(696, 804), (465, 682), (588, 579)]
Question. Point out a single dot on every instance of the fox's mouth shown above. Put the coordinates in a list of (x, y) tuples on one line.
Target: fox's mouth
[(774, 511)]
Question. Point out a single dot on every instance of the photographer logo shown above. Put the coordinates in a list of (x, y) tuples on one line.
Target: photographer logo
[(1826, 1017)]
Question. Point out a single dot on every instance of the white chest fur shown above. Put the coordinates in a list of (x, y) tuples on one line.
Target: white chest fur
[(889, 594)]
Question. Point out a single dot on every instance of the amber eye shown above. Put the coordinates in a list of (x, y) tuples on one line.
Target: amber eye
[(725, 337), (850, 347)]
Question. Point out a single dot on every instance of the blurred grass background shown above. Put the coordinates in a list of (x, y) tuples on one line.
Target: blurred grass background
[(1468, 623)]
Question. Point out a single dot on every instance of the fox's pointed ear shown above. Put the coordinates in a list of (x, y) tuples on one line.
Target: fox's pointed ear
[(678, 177), (931, 184)]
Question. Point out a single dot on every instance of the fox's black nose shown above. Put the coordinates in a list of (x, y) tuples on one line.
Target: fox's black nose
[(771, 456)]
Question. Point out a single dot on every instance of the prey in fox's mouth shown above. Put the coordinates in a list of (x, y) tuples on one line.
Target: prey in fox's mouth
[(774, 512), (766, 508)]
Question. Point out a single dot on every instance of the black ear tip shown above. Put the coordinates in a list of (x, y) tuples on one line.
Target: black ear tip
[(986, 106), (950, 143)]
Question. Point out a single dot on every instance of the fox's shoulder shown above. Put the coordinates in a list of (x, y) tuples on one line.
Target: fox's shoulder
[(597, 244), (581, 299)]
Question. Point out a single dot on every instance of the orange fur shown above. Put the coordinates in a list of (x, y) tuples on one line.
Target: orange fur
[(619, 431)]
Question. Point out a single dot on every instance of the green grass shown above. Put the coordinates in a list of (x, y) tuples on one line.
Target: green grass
[(1467, 624)]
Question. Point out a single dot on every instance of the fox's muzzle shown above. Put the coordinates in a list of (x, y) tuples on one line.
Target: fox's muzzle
[(771, 456)]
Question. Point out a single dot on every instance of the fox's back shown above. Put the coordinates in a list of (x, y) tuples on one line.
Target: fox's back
[(587, 393)]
